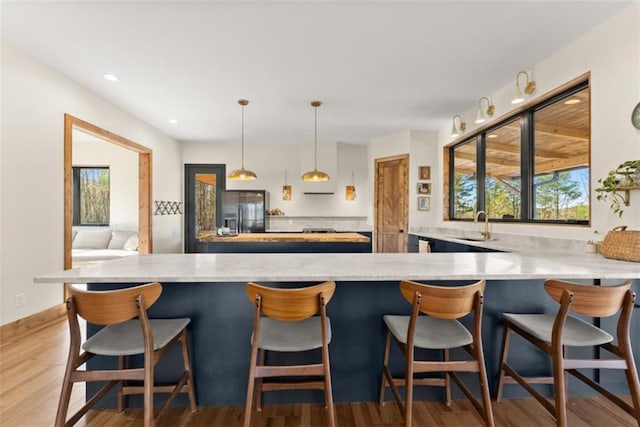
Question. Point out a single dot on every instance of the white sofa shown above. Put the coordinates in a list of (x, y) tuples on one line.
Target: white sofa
[(96, 244)]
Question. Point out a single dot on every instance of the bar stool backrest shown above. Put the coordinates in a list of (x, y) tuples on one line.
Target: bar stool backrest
[(441, 301), (589, 300), (109, 307), (291, 305)]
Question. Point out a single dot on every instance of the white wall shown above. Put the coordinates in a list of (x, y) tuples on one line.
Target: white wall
[(34, 100), (422, 148), (269, 163), (123, 176), (611, 52)]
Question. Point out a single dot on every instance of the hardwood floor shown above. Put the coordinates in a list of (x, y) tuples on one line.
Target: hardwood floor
[(32, 366)]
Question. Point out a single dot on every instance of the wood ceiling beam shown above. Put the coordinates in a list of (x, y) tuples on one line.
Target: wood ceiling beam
[(556, 165), (559, 131), (508, 148), (494, 161)]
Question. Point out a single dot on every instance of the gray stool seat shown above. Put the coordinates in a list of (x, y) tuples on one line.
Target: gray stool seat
[(576, 332), (125, 339), (276, 335), (430, 332)]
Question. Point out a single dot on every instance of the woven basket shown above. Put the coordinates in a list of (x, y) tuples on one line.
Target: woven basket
[(622, 244)]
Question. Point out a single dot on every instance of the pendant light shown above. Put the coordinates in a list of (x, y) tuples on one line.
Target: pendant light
[(350, 190), (242, 174), (286, 188), (315, 175)]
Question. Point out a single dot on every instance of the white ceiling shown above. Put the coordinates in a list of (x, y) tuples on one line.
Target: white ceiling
[(380, 67)]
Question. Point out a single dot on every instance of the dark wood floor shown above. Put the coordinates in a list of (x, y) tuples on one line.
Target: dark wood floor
[(32, 366)]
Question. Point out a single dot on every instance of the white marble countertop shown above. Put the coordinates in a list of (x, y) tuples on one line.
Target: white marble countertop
[(347, 267), (503, 241)]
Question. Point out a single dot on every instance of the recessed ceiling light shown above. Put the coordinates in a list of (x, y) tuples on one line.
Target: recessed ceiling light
[(493, 135), (572, 101), (110, 77), (173, 121)]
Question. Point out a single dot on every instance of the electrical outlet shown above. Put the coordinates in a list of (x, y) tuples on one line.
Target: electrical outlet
[(21, 299)]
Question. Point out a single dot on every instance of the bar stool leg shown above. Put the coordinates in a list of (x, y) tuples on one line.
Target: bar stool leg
[(187, 367), (65, 396), (258, 384), (408, 387), (148, 389), (122, 364), (327, 385), (447, 381), (506, 338), (632, 378), (385, 366), (559, 387), (250, 387), (484, 385)]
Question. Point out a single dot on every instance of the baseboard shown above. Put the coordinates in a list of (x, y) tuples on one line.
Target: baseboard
[(32, 323)]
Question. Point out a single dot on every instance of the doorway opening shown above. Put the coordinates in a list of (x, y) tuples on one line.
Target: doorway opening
[(72, 123)]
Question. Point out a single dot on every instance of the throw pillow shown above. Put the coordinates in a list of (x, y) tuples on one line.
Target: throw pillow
[(132, 243), (92, 238), (119, 238)]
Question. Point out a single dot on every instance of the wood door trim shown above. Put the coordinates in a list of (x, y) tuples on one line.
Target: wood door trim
[(144, 181), (376, 227)]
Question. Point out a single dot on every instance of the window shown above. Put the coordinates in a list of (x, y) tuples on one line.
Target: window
[(465, 180), (90, 195), (531, 167), (561, 161), (503, 172)]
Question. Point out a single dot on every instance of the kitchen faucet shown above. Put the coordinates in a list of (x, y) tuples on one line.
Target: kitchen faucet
[(484, 233)]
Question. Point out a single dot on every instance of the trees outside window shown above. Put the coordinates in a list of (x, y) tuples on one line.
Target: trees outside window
[(91, 195)]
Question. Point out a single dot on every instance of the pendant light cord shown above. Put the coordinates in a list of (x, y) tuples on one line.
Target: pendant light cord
[(242, 137), (315, 138)]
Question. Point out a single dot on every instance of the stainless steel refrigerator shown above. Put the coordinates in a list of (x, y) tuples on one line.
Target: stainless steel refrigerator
[(243, 211)]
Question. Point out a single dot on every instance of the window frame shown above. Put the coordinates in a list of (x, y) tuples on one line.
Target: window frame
[(75, 179), (526, 115)]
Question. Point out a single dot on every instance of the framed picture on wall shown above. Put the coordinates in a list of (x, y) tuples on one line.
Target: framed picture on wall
[(424, 188), (424, 172), (424, 203)]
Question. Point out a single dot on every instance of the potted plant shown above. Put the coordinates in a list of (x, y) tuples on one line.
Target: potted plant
[(627, 174)]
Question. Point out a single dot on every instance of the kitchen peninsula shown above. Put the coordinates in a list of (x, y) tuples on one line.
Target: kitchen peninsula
[(210, 289), (329, 242)]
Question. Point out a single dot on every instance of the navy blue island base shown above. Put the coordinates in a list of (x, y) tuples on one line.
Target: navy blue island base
[(221, 322)]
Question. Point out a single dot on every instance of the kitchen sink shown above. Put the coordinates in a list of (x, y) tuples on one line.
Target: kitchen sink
[(471, 239)]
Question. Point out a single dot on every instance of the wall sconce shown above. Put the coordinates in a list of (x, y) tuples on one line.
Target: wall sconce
[(483, 114), (529, 88), (457, 130), (286, 188), (350, 190)]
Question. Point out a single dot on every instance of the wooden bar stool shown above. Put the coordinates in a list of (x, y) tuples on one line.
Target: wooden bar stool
[(289, 324), (553, 334), (439, 330), (122, 336)]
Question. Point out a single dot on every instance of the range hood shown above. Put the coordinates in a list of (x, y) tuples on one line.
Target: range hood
[(327, 161)]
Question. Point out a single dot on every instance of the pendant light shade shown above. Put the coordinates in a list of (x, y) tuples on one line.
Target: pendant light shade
[(242, 174), (315, 175)]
